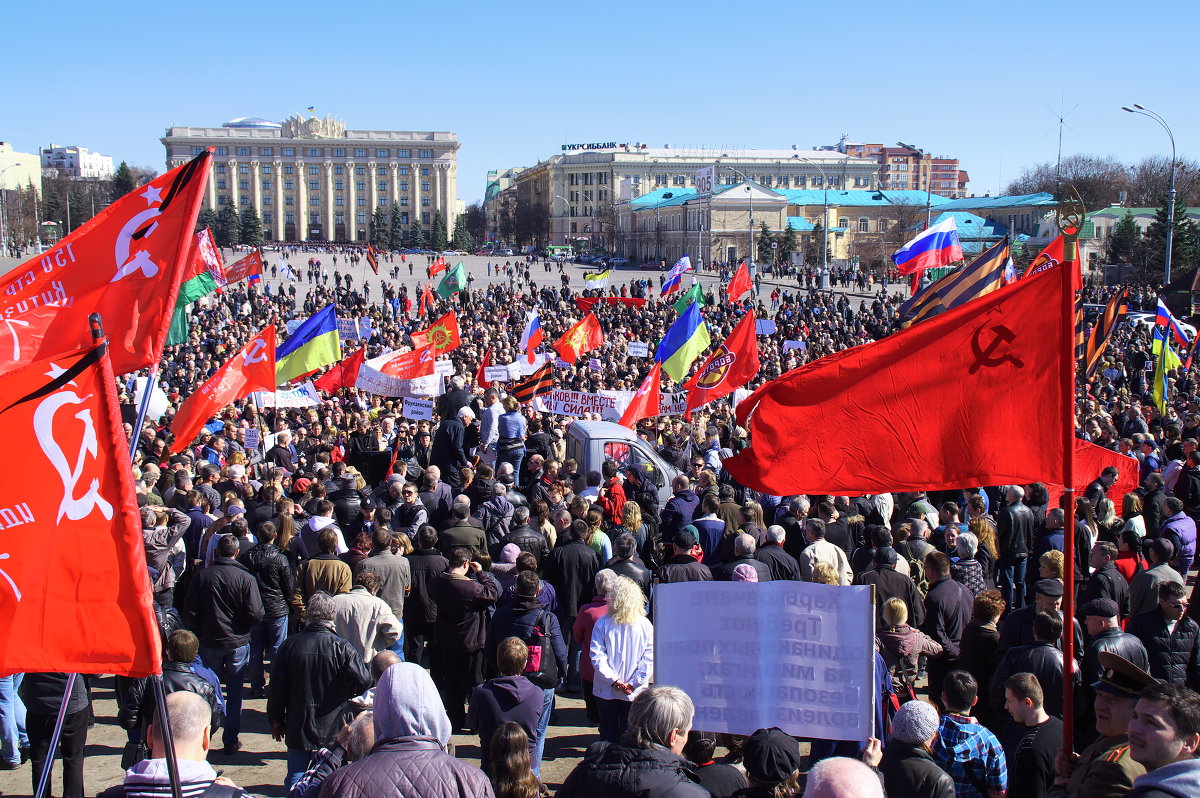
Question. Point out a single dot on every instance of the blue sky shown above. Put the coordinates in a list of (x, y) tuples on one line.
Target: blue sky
[(983, 82)]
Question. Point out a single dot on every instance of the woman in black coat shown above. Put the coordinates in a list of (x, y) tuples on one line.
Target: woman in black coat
[(908, 767)]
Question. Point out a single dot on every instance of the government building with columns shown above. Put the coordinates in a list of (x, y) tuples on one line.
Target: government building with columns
[(311, 179)]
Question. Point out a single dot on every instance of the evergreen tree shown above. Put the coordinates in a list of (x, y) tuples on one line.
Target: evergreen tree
[(765, 253), (1124, 238), (379, 229), (1185, 246), (122, 181), (416, 236), (396, 230), (228, 230), (208, 218), (252, 230), (52, 207), (815, 243), (437, 233), (462, 240), (788, 243)]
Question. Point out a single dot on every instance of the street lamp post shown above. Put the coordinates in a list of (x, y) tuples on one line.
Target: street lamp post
[(824, 219), (928, 179), (750, 191), (565, 224), (1142, 111)]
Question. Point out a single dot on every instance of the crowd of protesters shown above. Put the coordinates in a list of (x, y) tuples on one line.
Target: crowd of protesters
[(480, 573)]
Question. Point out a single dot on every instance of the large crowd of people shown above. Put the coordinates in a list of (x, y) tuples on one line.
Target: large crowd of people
[(386, 583)]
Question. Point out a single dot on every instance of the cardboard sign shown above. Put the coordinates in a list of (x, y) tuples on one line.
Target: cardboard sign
[(443, 368), (418, 409), (638, 349), (593, 364), (797, 655), (347, 329)]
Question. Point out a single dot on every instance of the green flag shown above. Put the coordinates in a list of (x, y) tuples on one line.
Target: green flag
[(454, 281), (693, 294), (202, 284)]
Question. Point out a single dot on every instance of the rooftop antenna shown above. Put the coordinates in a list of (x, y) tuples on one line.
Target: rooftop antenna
[(1062, 117)]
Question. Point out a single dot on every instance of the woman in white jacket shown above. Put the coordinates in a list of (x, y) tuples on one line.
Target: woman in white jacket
[(623, 654)]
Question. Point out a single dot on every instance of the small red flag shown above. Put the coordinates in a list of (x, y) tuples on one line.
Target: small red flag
[(410, 365), (740, 283), (249, 266), (481, 374), (373, 259), (82, 604), (882, 416), (442, 335), (729, 367), (126, 264), (343, 374), (426, 297), (251, 369), (438, 267), (647, 402), (583, 336), (1090, 460)]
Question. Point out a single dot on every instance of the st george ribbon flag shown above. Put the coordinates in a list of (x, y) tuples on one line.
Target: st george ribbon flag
[(79, 601), (126, 264), (883, 417)]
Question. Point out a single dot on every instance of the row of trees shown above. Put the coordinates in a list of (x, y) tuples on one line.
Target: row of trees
[(1145, 252), (1100, 180)]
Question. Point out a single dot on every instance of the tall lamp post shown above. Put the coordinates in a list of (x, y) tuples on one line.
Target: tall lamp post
[(921, 156), (750, 191), (1142, 111), (824, 220)]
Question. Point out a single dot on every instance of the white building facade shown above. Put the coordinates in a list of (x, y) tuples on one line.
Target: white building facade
[(76, 162)]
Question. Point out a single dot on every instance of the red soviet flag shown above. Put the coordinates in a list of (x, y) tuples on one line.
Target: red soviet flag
[(125, 264), (343, 374), (729, 367), (438, 267), (75, 595), (410, 365), (426, 298), (249, 266), (940, 405), (1090, 460), (740, 283), (481, 374), (583, 336), (647, 402), (251, 369)]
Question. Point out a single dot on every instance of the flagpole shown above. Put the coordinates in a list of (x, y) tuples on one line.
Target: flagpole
[(1070, 216), (55, 734)]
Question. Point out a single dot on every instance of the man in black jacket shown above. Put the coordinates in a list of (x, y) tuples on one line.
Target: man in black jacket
[(948, 607), (464, 592), (680, 508), (1014, 532), (625, 562), (449, 441), (420, 610), (1106, 581), (1041, 659), (139, 704), (276, 586), (743, 553), (571, 568), (525, 537), (774, 555), (890, 583), (223, 605), (684, 564), (316, 674), (1172, 639), (1104, 632)]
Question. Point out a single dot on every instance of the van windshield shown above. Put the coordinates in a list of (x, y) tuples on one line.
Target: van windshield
[(624, 454)]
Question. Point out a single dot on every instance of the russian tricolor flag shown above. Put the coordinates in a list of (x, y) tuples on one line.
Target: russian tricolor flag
[(531, 339), (1163, 318), (675, 276), (937, 246)]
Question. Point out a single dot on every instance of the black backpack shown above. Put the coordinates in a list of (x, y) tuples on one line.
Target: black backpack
[(542, 667)]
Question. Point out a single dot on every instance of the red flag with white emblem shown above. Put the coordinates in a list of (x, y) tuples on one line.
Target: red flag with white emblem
[(647, 401), (80, 600), (729, 367), (412, 364), (251, 369), (126, 264)]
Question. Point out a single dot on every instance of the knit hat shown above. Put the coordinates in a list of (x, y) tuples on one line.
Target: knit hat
[(745, 573), (771, 755), (914, 723)]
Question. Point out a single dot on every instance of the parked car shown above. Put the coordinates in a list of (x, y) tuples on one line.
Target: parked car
[(450, 253), (618, 261)]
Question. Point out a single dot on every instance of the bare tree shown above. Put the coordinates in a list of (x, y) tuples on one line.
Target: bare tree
[(1099, 180), (1150, 179)]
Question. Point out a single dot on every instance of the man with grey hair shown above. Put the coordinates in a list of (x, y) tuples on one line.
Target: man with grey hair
[(316, 672), (450, 445), (743, 552), (782, 565), (842, 777), (1014, 540), (649, 761)]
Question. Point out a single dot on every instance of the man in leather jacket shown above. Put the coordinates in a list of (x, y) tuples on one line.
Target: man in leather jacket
[(138, 707)]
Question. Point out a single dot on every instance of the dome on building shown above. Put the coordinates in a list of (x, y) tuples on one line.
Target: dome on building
[(251, 121)]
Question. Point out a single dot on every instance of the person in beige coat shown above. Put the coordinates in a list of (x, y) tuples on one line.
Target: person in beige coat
[(364, 620)]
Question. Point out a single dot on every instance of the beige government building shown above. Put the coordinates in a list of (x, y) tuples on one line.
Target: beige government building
[(311, 179)]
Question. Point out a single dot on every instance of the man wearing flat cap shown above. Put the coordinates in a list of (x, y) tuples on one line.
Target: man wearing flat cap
[(1105, 769), (1100, 615), (1017, 629), (771, 757)]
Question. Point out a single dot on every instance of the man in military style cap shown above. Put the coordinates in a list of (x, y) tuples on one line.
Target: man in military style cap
[(1105, 769)]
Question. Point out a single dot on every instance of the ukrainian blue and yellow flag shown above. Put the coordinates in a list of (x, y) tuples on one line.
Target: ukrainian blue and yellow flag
[(684, 342), (315, 343)]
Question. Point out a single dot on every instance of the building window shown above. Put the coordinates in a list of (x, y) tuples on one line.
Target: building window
[(289, 218), (425, 154), (816, 181), (572, 179), (339, 185), (403, 170), (243, 169), (360, 152), (266, 201), (381, 171), (314, 200), (425, 217), (314, 170), (602, 178), (289, 185), (425, 202), (243, 150), (360, 170), (267, 217), (603, 195), (883, 225), (679, 180), (220, 168), (287, 168), (338, 169), (268, 152), (289, 200), (221, 199), (339, 152), (360, 185), (221, 185), (574, 227), (220, 150), (405, 153), (244, 185), (843, 222), (289, 152), (403, 186), (404, 218), (381, 153), (243, 200), (314, 185), (383, 185), (360, 217), (314, 218), (266, 185), (383, 201), (404, 202), (864, 225), (360, 200), (265, 169), (424, 171), (339, 218), (424, 185), (339, 201), (588, 195), (587, 178), (314, 152)]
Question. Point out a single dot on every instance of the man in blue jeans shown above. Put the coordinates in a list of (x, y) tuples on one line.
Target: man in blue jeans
[(14, 744), (223, 605), (1014, 532)]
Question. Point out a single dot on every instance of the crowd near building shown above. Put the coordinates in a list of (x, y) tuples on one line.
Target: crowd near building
[(312, 179)]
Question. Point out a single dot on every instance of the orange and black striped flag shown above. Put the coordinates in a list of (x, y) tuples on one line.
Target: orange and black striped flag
[(539, 382), (373, 259), (1080, 337), (1114, 311)]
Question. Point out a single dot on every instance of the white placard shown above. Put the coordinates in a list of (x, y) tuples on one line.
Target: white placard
[(638, 349), (496, 374), (364, 327), (301, 396), (797, 655), (418, 409), (738, 395), (765, 327), (347, 329), (293, 325), (443, 368), (594, 364), (253, 439), (610, 405), (514, 370)]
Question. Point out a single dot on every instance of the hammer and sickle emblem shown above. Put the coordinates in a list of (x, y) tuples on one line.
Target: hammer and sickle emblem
[(985, 355), (255, 355), (73, 507)]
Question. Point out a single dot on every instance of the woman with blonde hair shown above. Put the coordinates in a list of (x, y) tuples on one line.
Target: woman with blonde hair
[(631, 522), (984, 530), (824, 573), (1131, 511), (622, 653)]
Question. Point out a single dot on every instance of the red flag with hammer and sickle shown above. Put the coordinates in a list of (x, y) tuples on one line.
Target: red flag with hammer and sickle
[(943, 404), (251, 369)]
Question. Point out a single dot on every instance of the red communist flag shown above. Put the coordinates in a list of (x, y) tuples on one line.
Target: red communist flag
[(740, 283), (886, 416), (125, 264), (583, 336), (729, 367), (438, 267), (410, 365), (249, 266), (426, 297), (442, 335), (251, 369), (79, 601), (647, 401), (481, 374), (343, 374), (1090, 460)]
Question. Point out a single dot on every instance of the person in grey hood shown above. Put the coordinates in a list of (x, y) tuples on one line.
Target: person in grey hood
[(410, 758), (1164, 736)]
